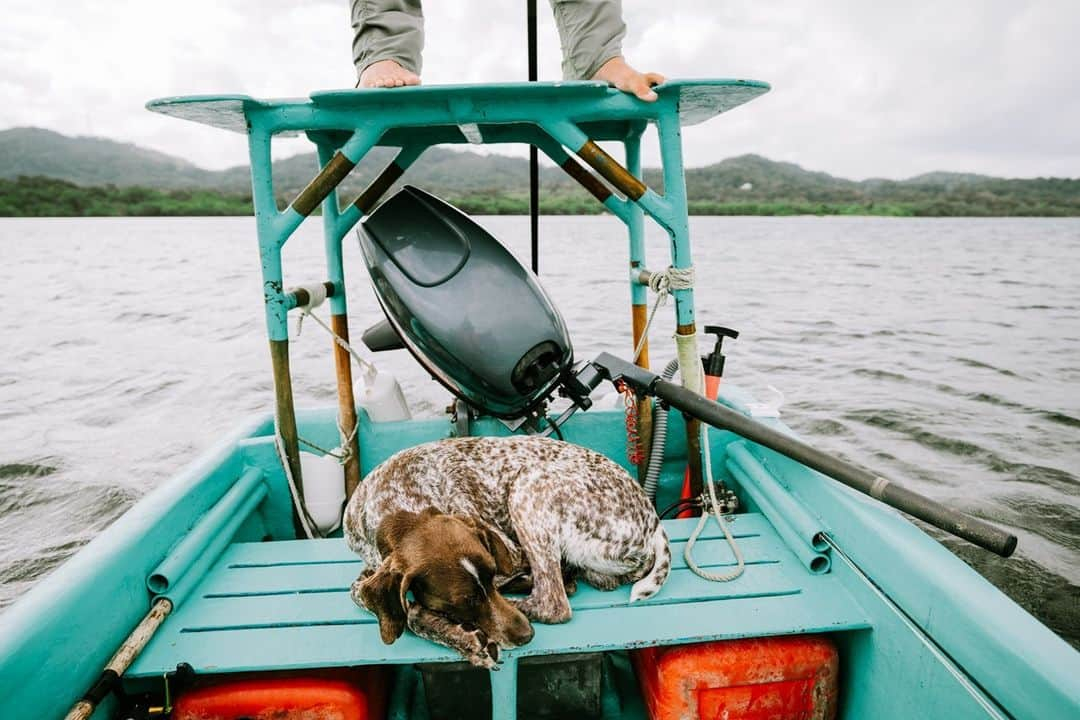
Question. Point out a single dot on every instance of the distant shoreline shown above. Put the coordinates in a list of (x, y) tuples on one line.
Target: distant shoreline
[(49, 197)]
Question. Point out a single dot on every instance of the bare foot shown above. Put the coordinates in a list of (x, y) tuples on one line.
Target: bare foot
[(387, 74), (617, 72)]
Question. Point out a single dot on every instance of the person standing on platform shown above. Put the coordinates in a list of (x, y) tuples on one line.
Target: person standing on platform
[(388, 41)]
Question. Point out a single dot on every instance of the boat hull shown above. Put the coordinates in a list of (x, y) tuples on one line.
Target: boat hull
[(919, 633)]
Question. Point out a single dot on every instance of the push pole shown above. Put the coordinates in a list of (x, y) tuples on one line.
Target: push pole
[(121, 660), (972, 529)]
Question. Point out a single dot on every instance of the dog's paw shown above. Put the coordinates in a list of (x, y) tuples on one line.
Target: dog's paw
[(477, 648), (556, 612), (474, 646)]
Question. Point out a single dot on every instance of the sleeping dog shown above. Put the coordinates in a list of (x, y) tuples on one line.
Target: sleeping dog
[(457, 522)]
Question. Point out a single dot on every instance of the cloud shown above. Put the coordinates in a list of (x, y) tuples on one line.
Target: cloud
[(860, 89)]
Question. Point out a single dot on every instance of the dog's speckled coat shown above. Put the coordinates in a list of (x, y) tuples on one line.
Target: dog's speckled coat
[(563, 505)]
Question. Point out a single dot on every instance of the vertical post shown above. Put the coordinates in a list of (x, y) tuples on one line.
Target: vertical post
[(679, 231), (277, 327), (639, 305), (534, 167), (339, 323), (504, 690)]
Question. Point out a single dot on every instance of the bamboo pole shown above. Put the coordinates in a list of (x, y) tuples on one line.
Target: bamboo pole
[(121, 661)]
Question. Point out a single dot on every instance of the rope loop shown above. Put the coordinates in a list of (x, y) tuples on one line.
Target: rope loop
[(663, 283)]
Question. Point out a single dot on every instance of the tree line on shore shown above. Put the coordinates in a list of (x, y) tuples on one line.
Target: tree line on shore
[(50, 197)]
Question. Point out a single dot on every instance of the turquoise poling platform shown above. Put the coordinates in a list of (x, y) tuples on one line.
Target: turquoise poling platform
[(555, 117), (608, 110), (286, 605)]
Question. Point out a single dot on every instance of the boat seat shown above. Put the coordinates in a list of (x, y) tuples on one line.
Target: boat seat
[(286, 605)]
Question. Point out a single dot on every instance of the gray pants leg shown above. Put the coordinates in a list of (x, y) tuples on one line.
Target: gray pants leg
[(590, 31), (388, 30)]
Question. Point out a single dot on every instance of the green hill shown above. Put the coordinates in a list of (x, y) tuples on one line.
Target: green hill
[(128, 179), (31, 151)]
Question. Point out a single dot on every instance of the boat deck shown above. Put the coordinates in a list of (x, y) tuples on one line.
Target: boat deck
[(282, 605)]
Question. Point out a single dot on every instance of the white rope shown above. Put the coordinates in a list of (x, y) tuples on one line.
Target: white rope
[(301, 511), (714, 507), (370, 371), (343, 453), (662, 283)]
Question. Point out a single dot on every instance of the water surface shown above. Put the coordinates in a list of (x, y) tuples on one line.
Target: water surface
[(945, 353)]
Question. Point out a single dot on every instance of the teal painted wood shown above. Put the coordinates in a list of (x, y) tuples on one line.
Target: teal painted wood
[(699, 100), (635, 223), (897, 663), (256, 590)]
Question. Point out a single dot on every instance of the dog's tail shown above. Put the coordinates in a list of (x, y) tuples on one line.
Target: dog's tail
[(651, 583)]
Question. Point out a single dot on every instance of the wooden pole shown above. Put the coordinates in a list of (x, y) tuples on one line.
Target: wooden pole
[(339, 323), (121, 661), (639, 316), (285, 413)]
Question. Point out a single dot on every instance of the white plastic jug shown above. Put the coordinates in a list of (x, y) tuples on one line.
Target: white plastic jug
[(380, 395), (324, 489)]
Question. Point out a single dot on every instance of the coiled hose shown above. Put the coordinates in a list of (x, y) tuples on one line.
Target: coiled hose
[(656, 454)]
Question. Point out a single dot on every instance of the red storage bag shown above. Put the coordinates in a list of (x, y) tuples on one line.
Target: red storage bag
[(777, 678), (360, 696)]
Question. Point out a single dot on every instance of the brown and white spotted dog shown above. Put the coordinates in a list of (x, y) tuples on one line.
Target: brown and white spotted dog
[(457, 521)]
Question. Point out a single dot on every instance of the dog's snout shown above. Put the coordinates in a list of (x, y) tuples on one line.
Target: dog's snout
[(514, 625)]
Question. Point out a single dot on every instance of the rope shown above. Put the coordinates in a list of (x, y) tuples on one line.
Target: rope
[(370, 371), (344, 453), (301, 511), (714, 506), (663, 283)]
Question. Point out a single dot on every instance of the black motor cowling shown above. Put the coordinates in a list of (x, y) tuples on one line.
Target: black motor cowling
[(463, 305)]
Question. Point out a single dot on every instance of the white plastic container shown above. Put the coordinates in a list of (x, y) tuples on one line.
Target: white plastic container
[(380, 395), (324, 489)]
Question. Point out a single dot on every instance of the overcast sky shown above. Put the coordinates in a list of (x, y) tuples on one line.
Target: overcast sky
[(861, 88)]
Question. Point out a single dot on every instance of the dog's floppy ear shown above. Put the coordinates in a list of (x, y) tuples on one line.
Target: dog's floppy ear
[(383, 593), (507, 560), (396, 526)]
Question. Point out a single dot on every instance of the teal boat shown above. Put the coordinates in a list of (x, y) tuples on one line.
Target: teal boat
[(212, 577)]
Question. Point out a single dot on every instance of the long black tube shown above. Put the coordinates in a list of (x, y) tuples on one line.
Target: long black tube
[(534, 166), (969, 528)]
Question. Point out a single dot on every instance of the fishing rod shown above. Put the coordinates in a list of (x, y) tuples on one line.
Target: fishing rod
[(965, 526)]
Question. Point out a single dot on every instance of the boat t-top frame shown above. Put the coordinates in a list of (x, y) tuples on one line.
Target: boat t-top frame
[(560, 119)]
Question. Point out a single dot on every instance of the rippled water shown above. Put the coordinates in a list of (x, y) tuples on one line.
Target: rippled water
[(945, 353)]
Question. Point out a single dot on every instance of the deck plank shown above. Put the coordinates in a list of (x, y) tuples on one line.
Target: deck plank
[(334, 571), (337, 607), (286, 605)]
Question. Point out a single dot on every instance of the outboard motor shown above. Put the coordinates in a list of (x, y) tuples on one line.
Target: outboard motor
[(465, 307)]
